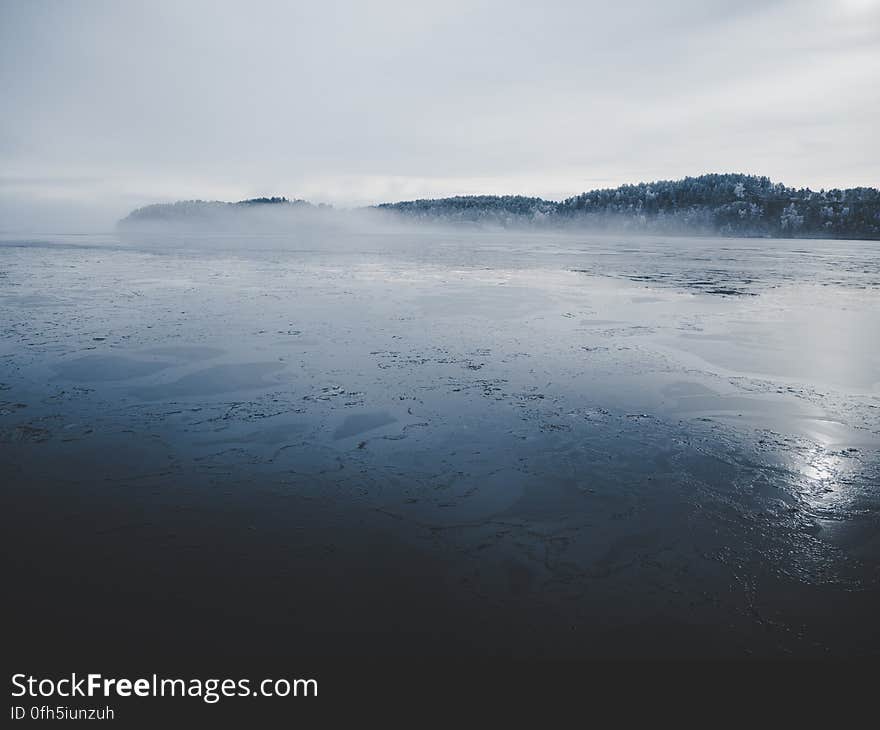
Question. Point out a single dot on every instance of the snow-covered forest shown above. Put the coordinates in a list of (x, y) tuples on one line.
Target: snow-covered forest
[(716, 204), (725, 204)]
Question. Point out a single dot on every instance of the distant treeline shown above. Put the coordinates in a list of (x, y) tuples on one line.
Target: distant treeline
[(719, 204), (724, 204), (190, 211)]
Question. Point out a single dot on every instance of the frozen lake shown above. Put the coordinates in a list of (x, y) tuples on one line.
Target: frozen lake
[(489, 444)]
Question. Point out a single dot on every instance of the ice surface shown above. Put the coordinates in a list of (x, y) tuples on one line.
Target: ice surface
[(487, 443)]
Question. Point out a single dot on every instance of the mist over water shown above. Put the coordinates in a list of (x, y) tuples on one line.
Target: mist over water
[(366, 439)]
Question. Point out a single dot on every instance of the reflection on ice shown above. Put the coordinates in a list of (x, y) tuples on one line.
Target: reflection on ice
[(362, 422), (99, 368)]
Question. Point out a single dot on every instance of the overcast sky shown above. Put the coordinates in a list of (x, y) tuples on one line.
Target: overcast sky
[(107, 106)]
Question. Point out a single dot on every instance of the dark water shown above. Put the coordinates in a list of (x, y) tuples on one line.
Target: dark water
[(451, 444)]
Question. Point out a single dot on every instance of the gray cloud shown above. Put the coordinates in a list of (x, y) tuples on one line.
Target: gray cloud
[(108, 105)]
